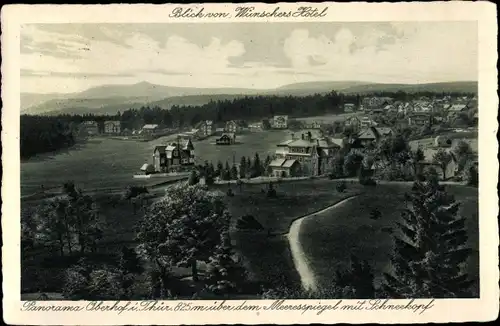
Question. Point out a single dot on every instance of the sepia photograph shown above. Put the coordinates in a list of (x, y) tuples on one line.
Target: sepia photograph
[(256, 160)]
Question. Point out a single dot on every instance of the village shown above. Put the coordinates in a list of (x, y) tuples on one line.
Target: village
[(313, 143)]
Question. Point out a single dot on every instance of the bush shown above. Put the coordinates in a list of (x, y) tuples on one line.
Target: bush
[(230, 192), (193, 178), (248, 222), (134, 191), (375, 214), (341, 186), (271, 192), (367, 182)]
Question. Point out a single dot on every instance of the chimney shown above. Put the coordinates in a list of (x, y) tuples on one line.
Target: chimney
[(293, 136), (302, 136)]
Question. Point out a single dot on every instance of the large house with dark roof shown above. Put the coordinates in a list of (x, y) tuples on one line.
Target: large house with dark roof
[(174, 156), (303, 156), (372, 135)]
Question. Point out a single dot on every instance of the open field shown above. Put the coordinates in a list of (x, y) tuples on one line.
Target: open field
[(263, 142), (328, 118), (329, 239), (103, 163), (267, 253)]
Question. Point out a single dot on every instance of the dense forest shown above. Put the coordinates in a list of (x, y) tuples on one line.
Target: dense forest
[(41, 134)]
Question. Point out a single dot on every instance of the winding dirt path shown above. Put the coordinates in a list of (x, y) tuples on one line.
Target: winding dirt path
[(301, 262)]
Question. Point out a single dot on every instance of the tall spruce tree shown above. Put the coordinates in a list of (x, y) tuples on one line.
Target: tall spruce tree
[(429, 255), (243, 167), (224, 275), (257, 166)]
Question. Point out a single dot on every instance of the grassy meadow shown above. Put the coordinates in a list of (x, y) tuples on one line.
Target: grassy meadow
[(267, 253), (330, 238), (330, 118), (103, 163)]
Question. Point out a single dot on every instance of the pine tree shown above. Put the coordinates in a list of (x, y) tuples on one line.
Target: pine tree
[(257, 166), (266, 167), (243, 167), (428, 259), (234, 173), (224, 275), (249, 167), (226, 172), (219, 169)]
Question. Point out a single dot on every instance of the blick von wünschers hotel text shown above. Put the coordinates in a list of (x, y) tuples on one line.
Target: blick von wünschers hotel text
[(249, 12)]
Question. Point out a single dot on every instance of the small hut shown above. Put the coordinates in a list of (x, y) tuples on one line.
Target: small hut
[(147, 168)]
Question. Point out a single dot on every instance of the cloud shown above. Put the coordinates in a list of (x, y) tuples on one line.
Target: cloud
[(404, 52), (421, 53), (138, 53)]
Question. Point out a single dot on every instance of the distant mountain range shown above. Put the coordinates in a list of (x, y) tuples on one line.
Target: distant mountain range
[(109, 99)]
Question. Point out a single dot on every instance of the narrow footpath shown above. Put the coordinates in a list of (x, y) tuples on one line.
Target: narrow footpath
[(301, 262)]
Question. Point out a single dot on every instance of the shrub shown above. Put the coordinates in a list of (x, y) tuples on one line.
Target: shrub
[(375, 214), (367, 182), (230, 192), (134, 191), (341, 186), (271, 192), (248, 222), (193, 178)]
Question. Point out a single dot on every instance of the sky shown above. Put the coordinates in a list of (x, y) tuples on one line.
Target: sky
[(66, 58)]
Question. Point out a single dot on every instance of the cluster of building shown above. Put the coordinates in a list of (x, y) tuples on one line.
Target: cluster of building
[(419, 112), (92, 128)]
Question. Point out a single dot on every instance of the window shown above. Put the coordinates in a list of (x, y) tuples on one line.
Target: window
[(175, 153)]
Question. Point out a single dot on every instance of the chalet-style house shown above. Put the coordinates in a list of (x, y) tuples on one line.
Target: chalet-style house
[(349, 107), (420, 119), (150, 128), (303, 156), (280, 122), (282, 167), (90, 128), (112, 127), (373, 135), (205, 128), (228, 138), (174, 156), (235, 126)]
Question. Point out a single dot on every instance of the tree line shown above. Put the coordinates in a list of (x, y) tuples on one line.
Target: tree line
[(41, 134)]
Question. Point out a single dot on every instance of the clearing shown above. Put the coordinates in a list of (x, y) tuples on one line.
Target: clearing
[(104, 163), (329, 239)]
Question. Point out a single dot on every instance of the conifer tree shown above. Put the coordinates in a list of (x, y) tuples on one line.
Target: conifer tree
[(219, 169), (266, 167), (234, 172), (429, 256), (249, 166), (224, 275), (243, 167), (257, 166)]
